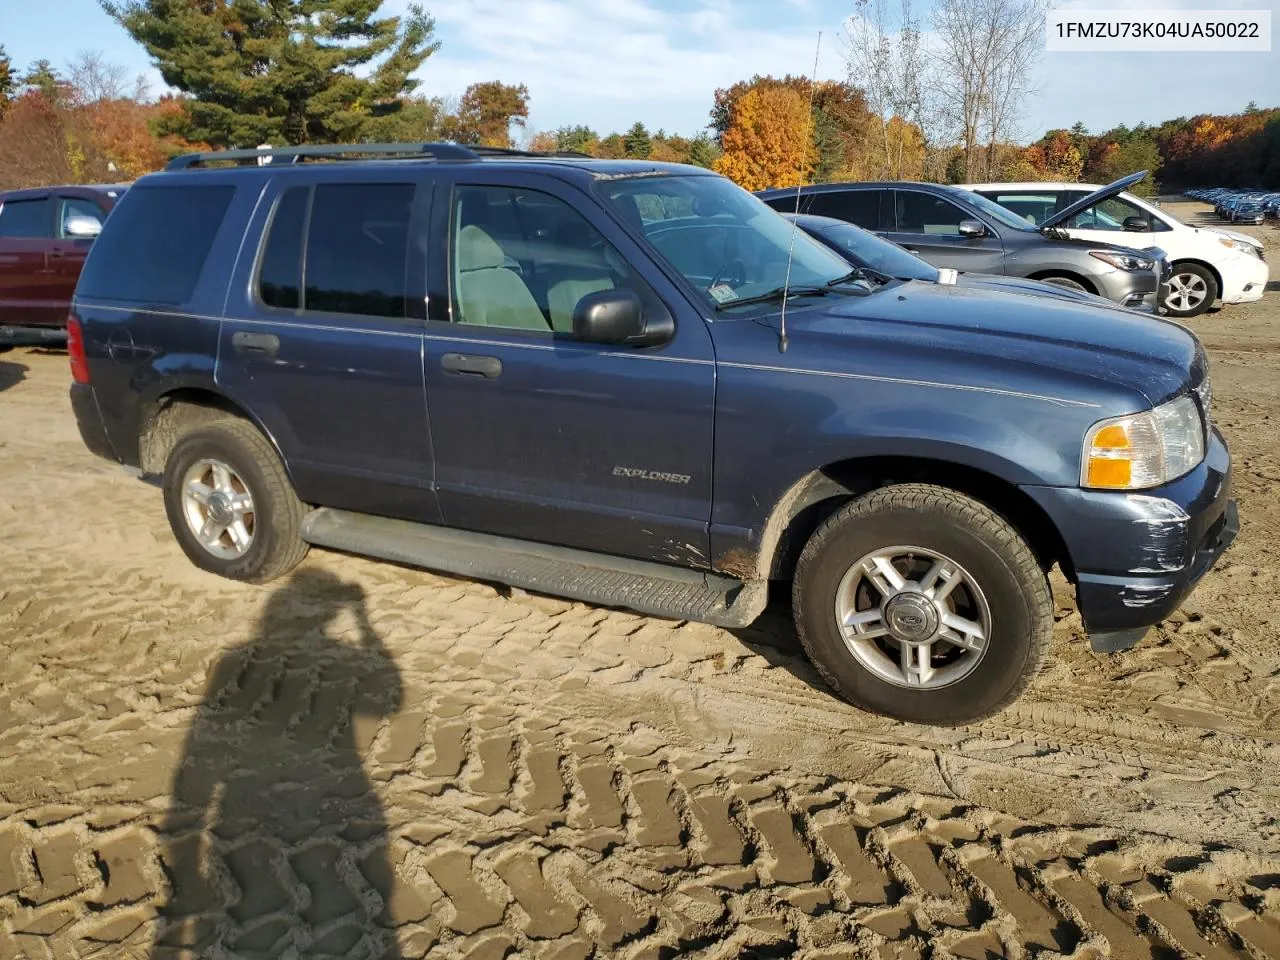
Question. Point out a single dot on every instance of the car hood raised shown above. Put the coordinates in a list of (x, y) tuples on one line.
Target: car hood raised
[(1060, 335)]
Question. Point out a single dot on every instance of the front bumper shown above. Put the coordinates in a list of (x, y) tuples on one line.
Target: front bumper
[(1244, 279), (1137, 556), (1134, 289), (33, 336)]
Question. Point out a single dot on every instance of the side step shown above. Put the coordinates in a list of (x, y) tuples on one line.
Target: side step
[(649, 588)]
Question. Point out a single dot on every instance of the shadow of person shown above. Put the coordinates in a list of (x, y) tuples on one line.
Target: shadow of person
[(275, 838), (11, 373)]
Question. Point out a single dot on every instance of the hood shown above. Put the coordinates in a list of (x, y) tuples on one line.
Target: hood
[(1038, 288), (1084, 203), (1242, 237), (1064, 337)]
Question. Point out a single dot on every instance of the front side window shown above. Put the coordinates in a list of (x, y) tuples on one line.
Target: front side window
[(24, 218), (76, 207), (523, 259), (731, 246), (927, 214), (357, 249), (1110, 214)]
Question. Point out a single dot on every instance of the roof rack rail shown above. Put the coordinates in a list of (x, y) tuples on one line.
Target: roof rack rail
[(435, 151)]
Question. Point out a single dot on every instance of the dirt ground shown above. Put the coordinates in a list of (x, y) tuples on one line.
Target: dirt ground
[(369, 761)]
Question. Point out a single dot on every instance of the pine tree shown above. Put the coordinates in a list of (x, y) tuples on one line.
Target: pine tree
[(293, 71), (638, 142), (6, 80)]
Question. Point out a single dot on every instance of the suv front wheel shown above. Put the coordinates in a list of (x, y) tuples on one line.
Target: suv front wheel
[(230, 503), (920, 603)]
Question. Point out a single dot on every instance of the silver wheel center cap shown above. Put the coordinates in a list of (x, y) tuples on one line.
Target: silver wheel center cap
[(911, 617), (220, 509)]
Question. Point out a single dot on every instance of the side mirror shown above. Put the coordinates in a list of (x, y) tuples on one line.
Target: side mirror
[(972, 228), (1136, 224), (619, 316), (82, 227)]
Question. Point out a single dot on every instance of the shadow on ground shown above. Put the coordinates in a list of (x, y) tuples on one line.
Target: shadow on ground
[(11, 374), (275, 839)]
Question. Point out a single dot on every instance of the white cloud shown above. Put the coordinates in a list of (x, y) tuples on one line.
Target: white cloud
[(610, 64)]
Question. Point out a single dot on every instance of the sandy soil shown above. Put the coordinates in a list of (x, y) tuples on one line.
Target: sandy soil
[(369, 761)]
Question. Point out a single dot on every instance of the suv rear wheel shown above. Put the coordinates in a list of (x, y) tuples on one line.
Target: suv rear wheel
[(230, 503), (920, 603)]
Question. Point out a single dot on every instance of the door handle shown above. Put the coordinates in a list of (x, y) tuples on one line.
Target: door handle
[(57, 254), (469, 365), (256, 344)]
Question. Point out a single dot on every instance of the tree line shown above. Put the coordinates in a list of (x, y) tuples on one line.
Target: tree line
[(947, 109)]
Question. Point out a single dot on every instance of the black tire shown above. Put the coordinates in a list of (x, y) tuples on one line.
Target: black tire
[(1067, 282), (1211, 290), (277, 545), (933, 518)]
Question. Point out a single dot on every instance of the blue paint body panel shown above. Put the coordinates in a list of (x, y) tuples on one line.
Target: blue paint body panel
[(684, 453)]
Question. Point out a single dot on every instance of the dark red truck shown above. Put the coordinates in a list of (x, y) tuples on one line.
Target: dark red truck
[(45, 234)]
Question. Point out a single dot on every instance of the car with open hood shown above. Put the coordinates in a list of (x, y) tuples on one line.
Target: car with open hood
[(962, 230), (633, 384), (1208, 263)]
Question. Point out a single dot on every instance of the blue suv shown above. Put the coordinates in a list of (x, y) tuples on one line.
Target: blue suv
[(634, 384)]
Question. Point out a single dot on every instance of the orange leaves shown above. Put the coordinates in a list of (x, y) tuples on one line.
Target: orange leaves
[(768, 142)]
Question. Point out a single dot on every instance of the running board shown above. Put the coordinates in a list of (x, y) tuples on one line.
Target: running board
[(649, 588)]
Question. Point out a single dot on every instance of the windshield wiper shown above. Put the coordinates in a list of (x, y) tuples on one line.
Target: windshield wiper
[(855, 274), (798, 291), (776, 294)]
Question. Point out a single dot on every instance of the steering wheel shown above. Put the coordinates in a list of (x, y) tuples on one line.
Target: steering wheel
[(739, 276)]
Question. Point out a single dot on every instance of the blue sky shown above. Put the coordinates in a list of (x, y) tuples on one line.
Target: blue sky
[(608, 63)]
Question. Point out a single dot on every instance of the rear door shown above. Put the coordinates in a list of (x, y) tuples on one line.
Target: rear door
[(27, 281), (67, 253), (929, 226), (322, 338)]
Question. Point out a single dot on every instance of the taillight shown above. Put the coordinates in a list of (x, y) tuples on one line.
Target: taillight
[(75, 350)]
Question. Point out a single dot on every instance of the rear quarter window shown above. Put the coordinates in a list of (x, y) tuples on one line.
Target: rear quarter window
[(155, 243)]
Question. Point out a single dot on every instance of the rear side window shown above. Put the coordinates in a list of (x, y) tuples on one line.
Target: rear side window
[(860, 207), (155, 244), (357, 249), (280, 276), (25, 218)]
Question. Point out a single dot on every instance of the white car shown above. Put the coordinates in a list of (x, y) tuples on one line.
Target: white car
[(1208, 264)]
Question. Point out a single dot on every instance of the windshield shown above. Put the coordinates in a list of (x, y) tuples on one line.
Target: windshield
[(867, 250), (724, 241), (997, 212)]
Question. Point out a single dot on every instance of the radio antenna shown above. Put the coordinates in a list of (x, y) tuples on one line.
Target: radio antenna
[(791, 247)]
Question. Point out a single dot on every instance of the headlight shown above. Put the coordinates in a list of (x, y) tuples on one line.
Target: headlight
[(1240, 245), (1143, 449), (1123, 261)]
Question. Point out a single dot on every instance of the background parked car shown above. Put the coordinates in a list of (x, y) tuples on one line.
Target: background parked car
[(1207, 263), (45, 235), (956, 228), (883, 261)]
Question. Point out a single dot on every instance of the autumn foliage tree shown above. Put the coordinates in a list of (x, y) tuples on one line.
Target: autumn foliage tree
[(487, 112), (768, 142)]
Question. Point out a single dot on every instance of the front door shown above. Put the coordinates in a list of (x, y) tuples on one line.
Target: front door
[(929, 226), (543, 437), (27, 281), (322, 340), (67, 253)]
